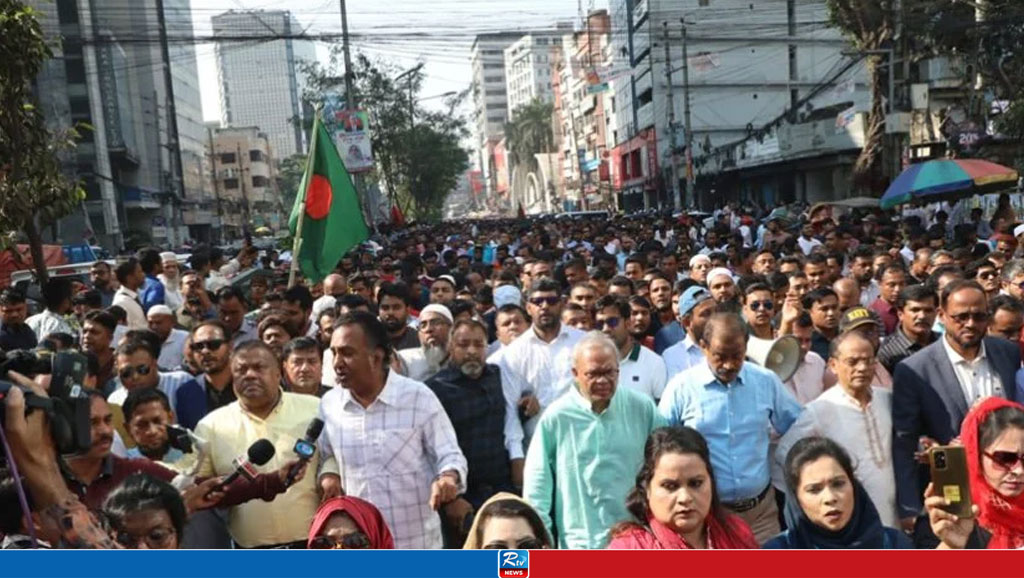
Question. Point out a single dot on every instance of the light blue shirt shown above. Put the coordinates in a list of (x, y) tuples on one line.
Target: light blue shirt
[(582, 464), (682, 356), (735, 419)]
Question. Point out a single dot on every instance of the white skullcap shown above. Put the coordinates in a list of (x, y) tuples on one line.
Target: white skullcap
[(1018, 231), (160, 310), (438, 309), (167, 256), (720, 271)]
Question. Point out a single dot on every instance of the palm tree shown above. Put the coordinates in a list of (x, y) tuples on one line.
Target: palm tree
[(530, 133)]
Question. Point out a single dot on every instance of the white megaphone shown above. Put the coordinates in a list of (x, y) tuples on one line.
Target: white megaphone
[(781, 356)]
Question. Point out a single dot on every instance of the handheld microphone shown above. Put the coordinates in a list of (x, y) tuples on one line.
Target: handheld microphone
[(259, 453), (305, 448)]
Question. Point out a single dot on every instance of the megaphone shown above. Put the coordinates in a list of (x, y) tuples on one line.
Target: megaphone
[(781, 356)]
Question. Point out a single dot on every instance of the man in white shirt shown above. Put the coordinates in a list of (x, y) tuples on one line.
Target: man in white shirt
[(695, 308), (857, 416), (423, 362), (640, 368), (172, 348), (137, 368), (811, 377), (170, 280), (807, 241), (538, 364), (334, 285), (130, 276), (387, 438), (57, 297)]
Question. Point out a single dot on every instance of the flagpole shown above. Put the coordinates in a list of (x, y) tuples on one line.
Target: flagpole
[(297, 244)]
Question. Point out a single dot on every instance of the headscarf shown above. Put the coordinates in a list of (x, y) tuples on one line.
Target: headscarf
[(863, 531), (472, 543), (366, 516), (1002, 516)]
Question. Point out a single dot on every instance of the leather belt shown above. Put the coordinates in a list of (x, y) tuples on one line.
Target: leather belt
[(749, 504)]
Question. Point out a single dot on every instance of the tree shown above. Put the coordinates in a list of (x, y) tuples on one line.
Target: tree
[(869, 26), (289, 178), (417, 152), (34, 192)]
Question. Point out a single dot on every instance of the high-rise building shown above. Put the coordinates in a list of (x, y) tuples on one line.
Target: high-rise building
[(528, 67), (490, 102), (115, 75), (261, 80)]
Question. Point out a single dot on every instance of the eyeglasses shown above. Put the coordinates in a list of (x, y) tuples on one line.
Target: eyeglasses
[(611, 322), (128, 372), (353, 541), (977, 317), (524, 544), (757, 305), (1005, 460), (155, 539), (987, 274), (209, 344), (539, 301)]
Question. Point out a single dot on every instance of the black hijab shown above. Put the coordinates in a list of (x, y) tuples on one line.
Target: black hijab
[(863, 531)]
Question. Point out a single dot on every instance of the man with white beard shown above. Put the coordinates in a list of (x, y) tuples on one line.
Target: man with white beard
[(170, 278), (423, 362)]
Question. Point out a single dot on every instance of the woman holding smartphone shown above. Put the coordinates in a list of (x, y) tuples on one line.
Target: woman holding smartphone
[(993, 437)]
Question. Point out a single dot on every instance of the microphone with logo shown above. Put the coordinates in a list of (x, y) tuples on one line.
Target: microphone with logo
[(259, 454), (305, 448)]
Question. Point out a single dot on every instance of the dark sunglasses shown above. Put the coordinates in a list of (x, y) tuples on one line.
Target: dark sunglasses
[(538, 301), (757, 305), (611, 322), (211, 344), (526, 544), (987, 274), (1005, 460), (128, 372), (977, 317), (353, 541)]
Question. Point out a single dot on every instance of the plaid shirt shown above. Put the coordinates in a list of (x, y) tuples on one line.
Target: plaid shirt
[(477, 409)]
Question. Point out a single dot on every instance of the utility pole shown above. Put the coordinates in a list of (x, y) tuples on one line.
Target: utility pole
[(686, 120), (245, 195), (352, 103), (677, 202), (216, 185), (173, 140)]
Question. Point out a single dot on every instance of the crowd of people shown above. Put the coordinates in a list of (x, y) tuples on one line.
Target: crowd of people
[(544, 383)]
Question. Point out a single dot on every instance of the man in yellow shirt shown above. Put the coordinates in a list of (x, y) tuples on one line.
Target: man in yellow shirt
[(262, 411)]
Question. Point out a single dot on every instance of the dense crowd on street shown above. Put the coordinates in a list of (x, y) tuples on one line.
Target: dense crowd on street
[(540, 383)]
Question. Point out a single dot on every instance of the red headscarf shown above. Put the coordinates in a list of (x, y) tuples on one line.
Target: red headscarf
[(365, 515), (1002, 516)]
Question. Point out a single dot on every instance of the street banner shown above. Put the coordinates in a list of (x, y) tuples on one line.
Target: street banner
[(350, 130)]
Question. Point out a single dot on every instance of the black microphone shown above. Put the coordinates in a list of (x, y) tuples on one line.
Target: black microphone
[(259, 453), (305, 448)]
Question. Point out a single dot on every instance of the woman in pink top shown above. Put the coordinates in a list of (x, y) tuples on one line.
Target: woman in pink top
[(675, 503)]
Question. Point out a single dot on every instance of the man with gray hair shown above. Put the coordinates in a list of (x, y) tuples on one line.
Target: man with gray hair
[(1012, 279), (423, 362), (588, 444)]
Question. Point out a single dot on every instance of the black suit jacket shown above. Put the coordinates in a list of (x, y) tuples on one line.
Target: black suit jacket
[(928, 401)]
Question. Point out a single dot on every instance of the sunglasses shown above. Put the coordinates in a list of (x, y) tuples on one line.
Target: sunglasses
[(758, 305), (526, 544), (211, 344), (1005, 460), (552, 301), (977, 317), (157, 538), (353, 541), (611, 322), (128, 372), (987, 274)]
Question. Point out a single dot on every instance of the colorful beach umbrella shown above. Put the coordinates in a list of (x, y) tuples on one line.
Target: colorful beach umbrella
[(947, 179)]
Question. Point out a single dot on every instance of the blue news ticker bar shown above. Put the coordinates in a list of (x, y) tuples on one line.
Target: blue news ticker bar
[(248, 563)]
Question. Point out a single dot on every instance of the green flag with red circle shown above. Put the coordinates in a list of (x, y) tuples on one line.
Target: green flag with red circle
[(328, 204)]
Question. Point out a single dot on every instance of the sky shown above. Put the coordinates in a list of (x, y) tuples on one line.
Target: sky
[(407, 32)]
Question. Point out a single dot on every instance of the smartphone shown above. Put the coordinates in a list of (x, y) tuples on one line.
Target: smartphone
[(950, 478)]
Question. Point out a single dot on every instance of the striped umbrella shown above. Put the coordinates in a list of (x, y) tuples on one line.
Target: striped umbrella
[(947, 179)]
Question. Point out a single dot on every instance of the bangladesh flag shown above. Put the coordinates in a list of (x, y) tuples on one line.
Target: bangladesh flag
[(327, 219)]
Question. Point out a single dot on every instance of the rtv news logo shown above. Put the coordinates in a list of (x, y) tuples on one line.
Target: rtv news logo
[(513, 563)]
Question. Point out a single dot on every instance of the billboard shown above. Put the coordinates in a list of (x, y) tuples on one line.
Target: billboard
[(351, 131)]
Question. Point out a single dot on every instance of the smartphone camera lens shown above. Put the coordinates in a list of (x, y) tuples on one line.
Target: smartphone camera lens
[(940, 460)]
